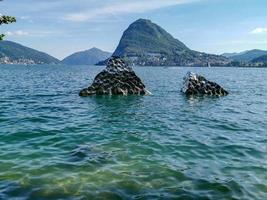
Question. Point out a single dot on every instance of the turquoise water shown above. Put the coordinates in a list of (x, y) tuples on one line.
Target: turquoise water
[(57, 145)]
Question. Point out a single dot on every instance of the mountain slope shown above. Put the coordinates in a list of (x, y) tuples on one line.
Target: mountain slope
[(146, 43), (11, 52), (88, 57), (261, 59), (143, 36), (247, 56), (229, 55)]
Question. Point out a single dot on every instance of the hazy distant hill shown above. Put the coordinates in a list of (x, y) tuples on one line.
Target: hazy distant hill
[(145, 43), (228, 55), (14, 53), (261, 59), (246, 56), (88, 57)]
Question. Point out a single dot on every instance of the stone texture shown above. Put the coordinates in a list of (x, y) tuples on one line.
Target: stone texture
[(198, 85), (117, 79)]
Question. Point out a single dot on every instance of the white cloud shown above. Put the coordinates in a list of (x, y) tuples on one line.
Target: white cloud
[(123, 8), (259, 31), (17, 33)]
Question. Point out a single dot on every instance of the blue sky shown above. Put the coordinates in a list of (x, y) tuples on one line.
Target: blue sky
[(61, 27)]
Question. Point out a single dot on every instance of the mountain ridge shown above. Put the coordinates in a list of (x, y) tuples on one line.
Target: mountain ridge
[(261, 59), (146, 43), (15, 53), (246, 56), (86, 57)]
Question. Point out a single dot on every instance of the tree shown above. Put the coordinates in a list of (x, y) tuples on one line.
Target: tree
[(6, 20)]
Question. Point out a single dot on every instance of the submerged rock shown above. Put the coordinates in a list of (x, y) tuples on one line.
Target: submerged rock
[(84, 153), (117, 79), (198, 85)]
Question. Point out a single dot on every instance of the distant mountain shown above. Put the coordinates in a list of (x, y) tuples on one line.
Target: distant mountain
[(246, 56), (229, 55), (145, 43), (14, 53), (261, 59), (88, 57)]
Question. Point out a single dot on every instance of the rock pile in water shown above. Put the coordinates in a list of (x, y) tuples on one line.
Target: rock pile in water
[(198, 85), (117, 79)]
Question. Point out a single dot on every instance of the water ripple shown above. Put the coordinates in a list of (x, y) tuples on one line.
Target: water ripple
[(56, 145)]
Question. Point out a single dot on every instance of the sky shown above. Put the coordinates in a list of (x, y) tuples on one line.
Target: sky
[(62, 27)]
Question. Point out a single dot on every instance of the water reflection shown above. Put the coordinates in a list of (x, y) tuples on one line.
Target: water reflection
[(195, 100)]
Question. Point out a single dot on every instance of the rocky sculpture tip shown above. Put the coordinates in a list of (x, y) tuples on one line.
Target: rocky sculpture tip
[(117, 79), (117, 64), (195, 84)]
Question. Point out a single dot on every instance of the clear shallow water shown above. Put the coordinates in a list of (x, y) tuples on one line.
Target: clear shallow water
[(56, 145)]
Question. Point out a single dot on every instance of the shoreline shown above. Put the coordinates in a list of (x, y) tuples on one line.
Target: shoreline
[(256, 67)]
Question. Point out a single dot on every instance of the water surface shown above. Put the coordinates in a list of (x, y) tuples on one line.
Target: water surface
[(57, 145)]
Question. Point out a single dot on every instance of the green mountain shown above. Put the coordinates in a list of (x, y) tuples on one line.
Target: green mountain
[(14, 53), (261, 59), (88, 57), (145, 43), (246, 56)]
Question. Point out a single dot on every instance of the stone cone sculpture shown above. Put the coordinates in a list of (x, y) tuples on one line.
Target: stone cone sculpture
[(198, 85), (117, 79)]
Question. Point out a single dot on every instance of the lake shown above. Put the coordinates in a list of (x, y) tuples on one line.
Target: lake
[(57, 145)]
